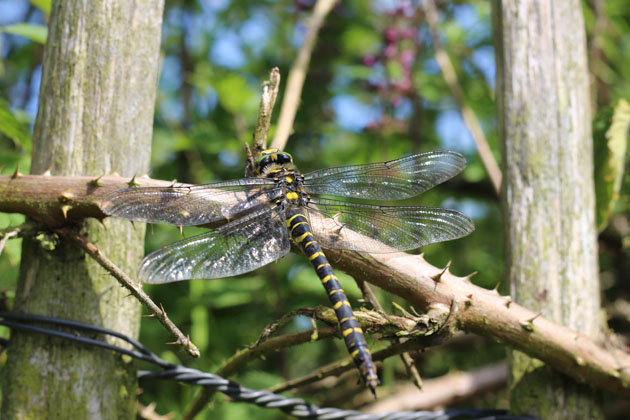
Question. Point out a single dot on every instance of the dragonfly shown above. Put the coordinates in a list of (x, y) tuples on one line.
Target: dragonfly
[(259, 216)]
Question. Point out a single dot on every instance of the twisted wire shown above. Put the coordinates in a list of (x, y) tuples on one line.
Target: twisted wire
[(296, 407)]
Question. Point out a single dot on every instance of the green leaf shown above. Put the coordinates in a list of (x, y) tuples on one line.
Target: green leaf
[(37, 33), (13, 128), (609, 155), (199, 326), (43, 5), (360, 40), (235, 94)]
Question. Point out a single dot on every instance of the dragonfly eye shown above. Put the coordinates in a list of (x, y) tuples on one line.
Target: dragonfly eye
[(271, 157)]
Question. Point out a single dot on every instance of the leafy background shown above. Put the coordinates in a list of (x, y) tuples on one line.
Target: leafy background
[(373, 92)]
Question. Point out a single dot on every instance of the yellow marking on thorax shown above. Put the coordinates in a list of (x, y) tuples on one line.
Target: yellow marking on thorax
[(288, 179), (309, 242), (354, 353), (292, 195)]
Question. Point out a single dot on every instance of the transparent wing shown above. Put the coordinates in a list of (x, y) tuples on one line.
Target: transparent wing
[(393, 180), (190, 205), (238, 247), (382, 229)]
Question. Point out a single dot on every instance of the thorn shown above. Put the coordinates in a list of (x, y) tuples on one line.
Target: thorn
[(181, 230), (468, 277), (172, 342), (402, 310), (173, 183), (67, 196), (495, 289), (149, 316), (48, 172), (508, 301), (95, 182), (162, 309), (133, 183), (437, 277), (116, 174), (17, 172), (580, 361), (64, 209), (528, 325), (535, 316)]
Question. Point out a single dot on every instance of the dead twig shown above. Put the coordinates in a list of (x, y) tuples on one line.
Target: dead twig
[(128, 283), (450, 76), (297, 74)]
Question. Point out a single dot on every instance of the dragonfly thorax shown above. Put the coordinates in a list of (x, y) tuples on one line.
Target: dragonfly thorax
[(290, 184)]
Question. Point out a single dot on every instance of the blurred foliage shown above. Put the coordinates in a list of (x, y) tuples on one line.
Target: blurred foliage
[(373, 92), (37, 33), (611, 135)]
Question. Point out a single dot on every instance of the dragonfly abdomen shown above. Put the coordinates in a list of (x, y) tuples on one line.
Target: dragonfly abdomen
[(301, 234)]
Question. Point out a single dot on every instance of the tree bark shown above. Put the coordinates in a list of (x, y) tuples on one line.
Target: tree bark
[(95, 116), (548, 190)]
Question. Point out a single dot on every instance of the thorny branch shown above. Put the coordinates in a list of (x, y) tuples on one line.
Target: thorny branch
[(474, 309)]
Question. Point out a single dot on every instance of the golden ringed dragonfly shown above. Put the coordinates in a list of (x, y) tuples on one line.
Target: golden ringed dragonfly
[(261, 215)]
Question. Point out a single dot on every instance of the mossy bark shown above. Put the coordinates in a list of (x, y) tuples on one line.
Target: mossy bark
[(548, 193), (95, 117)]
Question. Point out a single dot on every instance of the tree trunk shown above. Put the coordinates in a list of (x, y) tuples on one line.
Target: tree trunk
[(548, 192), (95, 116)]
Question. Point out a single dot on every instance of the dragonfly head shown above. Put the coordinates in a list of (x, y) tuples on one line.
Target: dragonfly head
[(271, 159)]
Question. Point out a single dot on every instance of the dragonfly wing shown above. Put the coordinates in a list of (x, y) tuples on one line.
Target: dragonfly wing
[(393, 180), (189, 205), (238, 247), (382, 229)]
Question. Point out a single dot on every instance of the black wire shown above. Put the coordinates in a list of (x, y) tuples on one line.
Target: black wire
[(294, 406)]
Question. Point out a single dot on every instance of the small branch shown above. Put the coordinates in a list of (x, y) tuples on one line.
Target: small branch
[(445, 391), (369, 321), (128, 283), (297, 75), (5, 238), (406, 358), (339, 367), (450, 76), (263, 122), (273, 326)]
